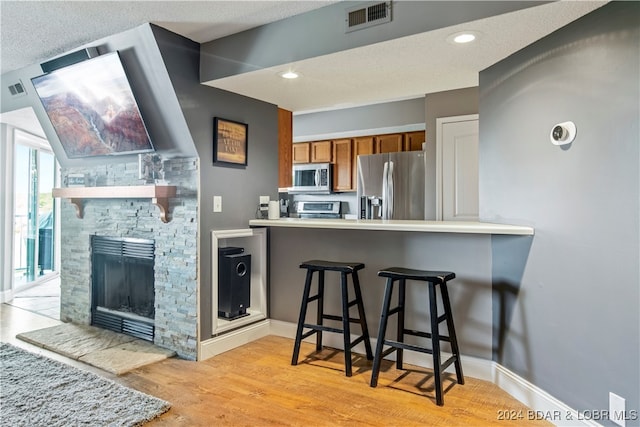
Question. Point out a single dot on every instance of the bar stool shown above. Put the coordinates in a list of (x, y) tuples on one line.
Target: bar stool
[(433, 278), (344, 268)]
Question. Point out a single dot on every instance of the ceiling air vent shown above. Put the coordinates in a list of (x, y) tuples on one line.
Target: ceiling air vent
[(17, 89), (367, 14)]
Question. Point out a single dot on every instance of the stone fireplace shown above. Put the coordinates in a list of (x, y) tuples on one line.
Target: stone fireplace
[(174, 273)]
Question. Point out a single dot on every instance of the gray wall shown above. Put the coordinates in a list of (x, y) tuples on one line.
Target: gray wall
[(347, 120), (240, 187), (572, 327)]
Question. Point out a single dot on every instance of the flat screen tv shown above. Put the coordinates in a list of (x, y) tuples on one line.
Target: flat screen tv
[(92, 108)]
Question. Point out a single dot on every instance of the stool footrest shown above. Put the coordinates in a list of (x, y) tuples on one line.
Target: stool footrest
[(338, 318), (387, 352), (393, 310), (357, 341), (424, 334), (313, 298), (447, 362), (406, 346), (307, 334), (316, 328)]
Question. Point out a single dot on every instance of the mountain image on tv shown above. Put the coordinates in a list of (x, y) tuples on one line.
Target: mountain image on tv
[(92, 108)]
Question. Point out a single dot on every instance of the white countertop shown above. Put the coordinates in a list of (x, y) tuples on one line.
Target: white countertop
[(472, 227)]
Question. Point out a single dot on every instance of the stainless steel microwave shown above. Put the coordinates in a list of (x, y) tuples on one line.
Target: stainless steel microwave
[(311, 178)]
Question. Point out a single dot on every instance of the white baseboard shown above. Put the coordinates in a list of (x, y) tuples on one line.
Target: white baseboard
[(542, 404), (233, 339)]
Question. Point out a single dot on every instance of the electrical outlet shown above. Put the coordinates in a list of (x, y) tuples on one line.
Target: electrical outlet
[(617, 412), (217, 203)]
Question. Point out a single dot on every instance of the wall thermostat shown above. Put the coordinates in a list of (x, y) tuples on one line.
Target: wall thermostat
[(563, 133)]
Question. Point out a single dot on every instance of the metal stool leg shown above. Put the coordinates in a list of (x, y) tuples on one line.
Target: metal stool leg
[(363, 319), (452, 332), (303, 313), (384, 317), (435, 343)]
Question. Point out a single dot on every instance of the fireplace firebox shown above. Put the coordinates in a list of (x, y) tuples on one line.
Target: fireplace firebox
[(122, 285)]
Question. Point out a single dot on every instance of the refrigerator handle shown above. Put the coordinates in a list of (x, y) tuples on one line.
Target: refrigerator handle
[(390, 191), (385, 191)]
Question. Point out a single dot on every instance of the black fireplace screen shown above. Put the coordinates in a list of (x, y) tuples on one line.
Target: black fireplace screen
[(123, 284)]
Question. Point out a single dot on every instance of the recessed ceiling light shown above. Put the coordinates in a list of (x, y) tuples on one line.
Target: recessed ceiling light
[(463, 37), (289, 75)]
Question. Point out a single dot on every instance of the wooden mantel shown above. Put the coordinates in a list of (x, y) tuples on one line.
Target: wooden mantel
[(159, 195)]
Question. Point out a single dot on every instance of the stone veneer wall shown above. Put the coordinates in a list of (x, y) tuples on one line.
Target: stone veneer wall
[(176, 277)]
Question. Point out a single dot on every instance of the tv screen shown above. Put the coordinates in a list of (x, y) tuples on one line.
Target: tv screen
[(92, 108)]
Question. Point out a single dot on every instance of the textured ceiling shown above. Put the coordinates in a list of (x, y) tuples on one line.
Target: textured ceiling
[(34, 31)]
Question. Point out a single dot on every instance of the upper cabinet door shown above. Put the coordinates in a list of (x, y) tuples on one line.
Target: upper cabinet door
[(342, 168), (389, 143), (361, 146), (321, 152), (413, 140), (301, 152)]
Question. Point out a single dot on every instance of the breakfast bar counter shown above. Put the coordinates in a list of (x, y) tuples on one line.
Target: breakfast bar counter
[(489, 260), (470, 227)]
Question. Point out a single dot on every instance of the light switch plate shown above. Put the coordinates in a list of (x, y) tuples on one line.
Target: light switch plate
[(217, 203)]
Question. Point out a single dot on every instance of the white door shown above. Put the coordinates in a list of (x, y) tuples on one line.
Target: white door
[(457, 146)]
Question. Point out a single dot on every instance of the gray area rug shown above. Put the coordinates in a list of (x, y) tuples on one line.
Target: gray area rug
[(37, 391), (107, 350)]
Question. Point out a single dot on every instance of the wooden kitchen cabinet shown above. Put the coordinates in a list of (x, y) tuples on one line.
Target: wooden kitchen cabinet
[(321, 152), (285, 148), (361, 146), (389, 143), (301, 152), (413, 140), (343, 165)]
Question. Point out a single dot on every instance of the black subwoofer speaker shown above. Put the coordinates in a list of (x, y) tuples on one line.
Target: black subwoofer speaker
[(234, 282)]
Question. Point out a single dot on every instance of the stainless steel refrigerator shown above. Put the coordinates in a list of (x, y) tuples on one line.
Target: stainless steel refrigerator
[(395, 186)]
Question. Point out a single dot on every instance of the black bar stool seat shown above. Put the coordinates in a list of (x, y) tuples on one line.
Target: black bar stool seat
[(433, 279), (345, 269)]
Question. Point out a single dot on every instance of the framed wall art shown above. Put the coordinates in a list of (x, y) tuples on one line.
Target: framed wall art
[(230, 140)]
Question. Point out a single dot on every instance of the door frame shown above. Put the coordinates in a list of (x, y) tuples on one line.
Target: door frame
[(440, 122), (25, 138)]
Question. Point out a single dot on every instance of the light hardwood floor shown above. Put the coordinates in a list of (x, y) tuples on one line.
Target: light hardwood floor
[(255, 385)]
